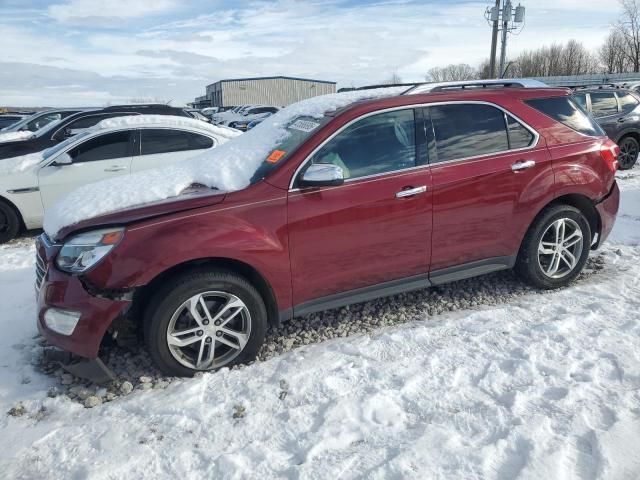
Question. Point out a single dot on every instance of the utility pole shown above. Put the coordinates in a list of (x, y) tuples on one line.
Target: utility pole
[(505, 19), (494, 44)]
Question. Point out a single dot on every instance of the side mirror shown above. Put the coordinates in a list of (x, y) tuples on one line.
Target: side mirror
[(62, 159), (322, 175)]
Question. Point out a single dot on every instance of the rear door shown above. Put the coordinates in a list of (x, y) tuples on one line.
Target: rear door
[(367, 231), (487, 169), (104, 156), (162, 146)]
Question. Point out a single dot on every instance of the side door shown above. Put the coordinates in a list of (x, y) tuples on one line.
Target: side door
[(162, 146), (367, 231), (99, 157), (488, 169)]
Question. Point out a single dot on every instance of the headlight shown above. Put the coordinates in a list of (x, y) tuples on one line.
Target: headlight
[(83, 251)]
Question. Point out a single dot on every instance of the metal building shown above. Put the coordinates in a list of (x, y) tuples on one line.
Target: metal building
[(276, 91)]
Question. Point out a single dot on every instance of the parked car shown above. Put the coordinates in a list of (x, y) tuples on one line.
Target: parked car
[(617, 111), (378, 197), (73, 124), (243, 125), (222, 116), (9, 119), (41, 119), (117, 146), (249, 113)]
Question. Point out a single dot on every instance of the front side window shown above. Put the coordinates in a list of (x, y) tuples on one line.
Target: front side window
[(103, 147), (377, 144), (580, 99), (163, 140), (468, 130), (627, 102), (603, 104), (42, 121)]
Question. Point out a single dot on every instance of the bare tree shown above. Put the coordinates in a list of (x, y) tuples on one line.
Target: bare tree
[(453, 72), (612, 55), (629, 28)]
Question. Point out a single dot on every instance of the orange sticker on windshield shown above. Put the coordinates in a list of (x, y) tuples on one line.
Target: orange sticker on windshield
[(275, 156)]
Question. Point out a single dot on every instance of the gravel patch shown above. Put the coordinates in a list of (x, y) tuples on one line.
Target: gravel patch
[(134, 370)]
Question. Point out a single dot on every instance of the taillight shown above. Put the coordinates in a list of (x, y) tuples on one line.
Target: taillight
[(609, 152)]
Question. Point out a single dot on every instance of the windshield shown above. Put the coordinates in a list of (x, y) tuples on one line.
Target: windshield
[(49, 152), (298, 131)]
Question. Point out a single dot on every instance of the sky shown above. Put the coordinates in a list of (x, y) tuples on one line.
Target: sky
[(97, 52)]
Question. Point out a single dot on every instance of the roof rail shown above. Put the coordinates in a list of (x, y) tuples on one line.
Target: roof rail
[(476, 84), (598, 86)]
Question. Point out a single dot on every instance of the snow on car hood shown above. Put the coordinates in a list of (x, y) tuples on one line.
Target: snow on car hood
[(10, 166), (228, 167), (15, 136)]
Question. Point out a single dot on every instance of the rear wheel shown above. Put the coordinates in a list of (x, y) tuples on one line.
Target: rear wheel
[(9, 222), (203, 321), (555, 248), (629, 149)]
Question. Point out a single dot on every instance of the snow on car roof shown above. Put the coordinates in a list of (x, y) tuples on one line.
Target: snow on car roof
[(166, 121), (228, 167)]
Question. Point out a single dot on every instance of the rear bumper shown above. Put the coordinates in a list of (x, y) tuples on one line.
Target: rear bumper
[(66, 292), (607, 210)]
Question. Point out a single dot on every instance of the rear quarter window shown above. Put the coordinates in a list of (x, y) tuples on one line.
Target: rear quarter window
[(567, 112)]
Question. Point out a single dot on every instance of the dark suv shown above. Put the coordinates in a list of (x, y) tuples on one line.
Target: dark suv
[(69, 126), (616, 111), (329, 205)]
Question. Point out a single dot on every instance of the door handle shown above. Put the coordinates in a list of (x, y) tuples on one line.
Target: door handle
[(523, 165), (115, 168), (410, 192)]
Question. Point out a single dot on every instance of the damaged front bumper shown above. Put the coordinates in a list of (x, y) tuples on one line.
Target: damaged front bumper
[(70, 315)]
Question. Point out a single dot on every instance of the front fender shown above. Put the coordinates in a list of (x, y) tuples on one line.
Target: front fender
[(254, 234)]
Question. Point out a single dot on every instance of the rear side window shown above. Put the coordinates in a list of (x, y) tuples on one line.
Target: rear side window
[(468, 130), (519, 136), (162, 140), (104, 147), (627, 102), (567, 112), (603, 104)]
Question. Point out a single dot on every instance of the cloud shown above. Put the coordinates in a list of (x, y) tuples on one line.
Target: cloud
[(106, 13), (172, 50)]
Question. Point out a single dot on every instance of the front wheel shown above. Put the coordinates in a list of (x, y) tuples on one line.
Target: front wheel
[(555, 248), (204, 320), (629, 149)]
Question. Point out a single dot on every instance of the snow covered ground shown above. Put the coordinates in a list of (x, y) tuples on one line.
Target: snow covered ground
[(531, 386)]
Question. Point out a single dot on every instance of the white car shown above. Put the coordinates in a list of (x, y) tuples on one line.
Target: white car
[(117, 146), (250, 113)]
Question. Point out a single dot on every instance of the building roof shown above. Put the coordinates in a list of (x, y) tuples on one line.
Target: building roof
[(270, 78)]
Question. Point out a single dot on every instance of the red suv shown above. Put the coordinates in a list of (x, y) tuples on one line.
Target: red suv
[(381, 196)]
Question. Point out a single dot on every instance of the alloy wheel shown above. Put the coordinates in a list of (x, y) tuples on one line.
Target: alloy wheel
[(560, 248), (628, 153), (209, 330)]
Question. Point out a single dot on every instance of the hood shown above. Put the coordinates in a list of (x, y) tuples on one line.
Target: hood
[(191, 199)]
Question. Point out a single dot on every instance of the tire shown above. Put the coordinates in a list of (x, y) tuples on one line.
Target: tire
[(9, 222), (170, 315), (536, 259), (629, 149)]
